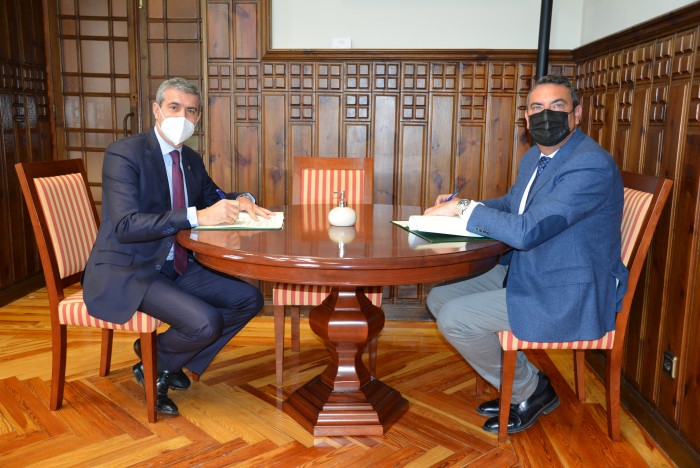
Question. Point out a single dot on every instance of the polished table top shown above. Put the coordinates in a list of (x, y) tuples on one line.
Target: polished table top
[(345, 399), (310, 251)]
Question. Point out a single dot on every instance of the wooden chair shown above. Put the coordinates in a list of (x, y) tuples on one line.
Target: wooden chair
[(645, 197), (314, 181), (65, 223)]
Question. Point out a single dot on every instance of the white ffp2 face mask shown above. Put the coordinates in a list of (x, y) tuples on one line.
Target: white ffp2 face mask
[(176, 129)]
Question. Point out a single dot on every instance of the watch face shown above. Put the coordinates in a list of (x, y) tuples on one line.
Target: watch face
[(462, 206)]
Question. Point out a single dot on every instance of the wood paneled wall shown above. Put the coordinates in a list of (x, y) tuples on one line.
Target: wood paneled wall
[(25, 136), (641, 97)]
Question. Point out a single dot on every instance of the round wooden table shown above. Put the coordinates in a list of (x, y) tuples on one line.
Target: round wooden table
[(344, 399)]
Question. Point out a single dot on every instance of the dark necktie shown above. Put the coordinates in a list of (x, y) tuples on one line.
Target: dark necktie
[(178, 203), (541, 164)]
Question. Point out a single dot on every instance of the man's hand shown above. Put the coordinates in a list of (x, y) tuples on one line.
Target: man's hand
[(221, 212), (443, 209), (252, 209)]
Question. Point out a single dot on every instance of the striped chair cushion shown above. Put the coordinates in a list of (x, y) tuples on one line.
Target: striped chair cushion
[(72, 311), (636, 207), (72, 226), (318, 185), (509, 342), (311, 295)]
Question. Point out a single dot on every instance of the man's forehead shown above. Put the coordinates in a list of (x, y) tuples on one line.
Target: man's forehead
[(180, 97), (550, 92)]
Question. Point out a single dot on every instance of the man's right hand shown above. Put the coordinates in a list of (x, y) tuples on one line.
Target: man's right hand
[(221, 212)]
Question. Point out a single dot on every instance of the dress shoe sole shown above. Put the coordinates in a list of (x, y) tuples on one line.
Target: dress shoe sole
[(551, 406), (167, 412)]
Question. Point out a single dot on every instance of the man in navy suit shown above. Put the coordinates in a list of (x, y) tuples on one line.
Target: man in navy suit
[(136, 264), (564, 279)]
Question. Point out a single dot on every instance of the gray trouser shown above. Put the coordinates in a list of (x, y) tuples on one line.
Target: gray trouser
[(469, 313)]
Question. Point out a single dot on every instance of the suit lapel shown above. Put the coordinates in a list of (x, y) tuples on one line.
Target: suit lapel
[(187, 153), (154, 158), (527, 168)]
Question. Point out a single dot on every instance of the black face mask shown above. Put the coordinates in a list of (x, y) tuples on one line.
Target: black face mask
[(549, 128)]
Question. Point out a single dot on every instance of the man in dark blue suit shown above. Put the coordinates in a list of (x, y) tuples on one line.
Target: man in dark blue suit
[(565, 277), (136, 264)]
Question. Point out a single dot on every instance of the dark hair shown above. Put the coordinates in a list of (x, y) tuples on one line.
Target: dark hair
[(180, 84), (556, 80)]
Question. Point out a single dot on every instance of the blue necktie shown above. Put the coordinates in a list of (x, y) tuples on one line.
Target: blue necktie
[(541, 164)]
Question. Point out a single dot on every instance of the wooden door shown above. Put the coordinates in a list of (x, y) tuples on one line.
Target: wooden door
[(109, 58)]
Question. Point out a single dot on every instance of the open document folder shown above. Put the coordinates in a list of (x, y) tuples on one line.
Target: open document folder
[(439, 229), (246, 223)]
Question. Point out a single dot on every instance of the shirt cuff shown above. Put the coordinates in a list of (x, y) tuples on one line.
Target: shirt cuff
[(192, 216), (468, 212)]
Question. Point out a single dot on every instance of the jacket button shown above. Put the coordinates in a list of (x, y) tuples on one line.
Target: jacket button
[(158, 267)]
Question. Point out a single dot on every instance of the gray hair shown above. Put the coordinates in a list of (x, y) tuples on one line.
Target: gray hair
[(556, 80), (180, 84)]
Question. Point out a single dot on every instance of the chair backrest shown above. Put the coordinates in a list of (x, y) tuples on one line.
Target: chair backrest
[(315, 180), (645, 198), (64, 218)]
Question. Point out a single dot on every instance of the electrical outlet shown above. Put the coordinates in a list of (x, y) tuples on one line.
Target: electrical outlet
[(341, 43), (670, 364)]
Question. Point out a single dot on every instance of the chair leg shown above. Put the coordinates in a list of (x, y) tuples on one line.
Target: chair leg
[(148, 357), (106, 354), (279, 343), (195, 377), (507, 376), (580, 374), (295, 313), (58, 366), (612, 393), (372, 346)]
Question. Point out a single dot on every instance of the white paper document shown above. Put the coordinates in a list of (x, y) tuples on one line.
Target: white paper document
[(245, 222), (441, 224)]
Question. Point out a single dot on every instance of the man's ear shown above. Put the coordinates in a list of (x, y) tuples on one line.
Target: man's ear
[(527, 121), (578, 111)]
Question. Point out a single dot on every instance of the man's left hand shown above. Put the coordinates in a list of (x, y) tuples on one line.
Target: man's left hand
[(246, 204), (443, 209)]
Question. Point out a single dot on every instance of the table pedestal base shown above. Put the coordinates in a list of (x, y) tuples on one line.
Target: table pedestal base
[(345, 399), (369, 411)]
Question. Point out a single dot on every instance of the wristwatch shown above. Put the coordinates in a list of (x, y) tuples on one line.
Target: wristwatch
[(246, 195), (462, 206)]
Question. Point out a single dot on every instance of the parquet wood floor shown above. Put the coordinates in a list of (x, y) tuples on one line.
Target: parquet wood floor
[(233, 416)]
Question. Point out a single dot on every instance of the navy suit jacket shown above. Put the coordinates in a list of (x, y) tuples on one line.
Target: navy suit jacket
[(566, 278), (138, 224)]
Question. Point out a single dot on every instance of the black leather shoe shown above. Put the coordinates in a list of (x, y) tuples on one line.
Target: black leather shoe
[(524, 415), (163, 403), (179, 380), (488, 408)]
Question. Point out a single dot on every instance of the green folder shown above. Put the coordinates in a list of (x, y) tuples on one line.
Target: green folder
[(436, 237)]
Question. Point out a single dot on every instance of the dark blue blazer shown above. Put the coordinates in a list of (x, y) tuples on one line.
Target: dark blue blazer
[(566, 278), (138, 224)]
